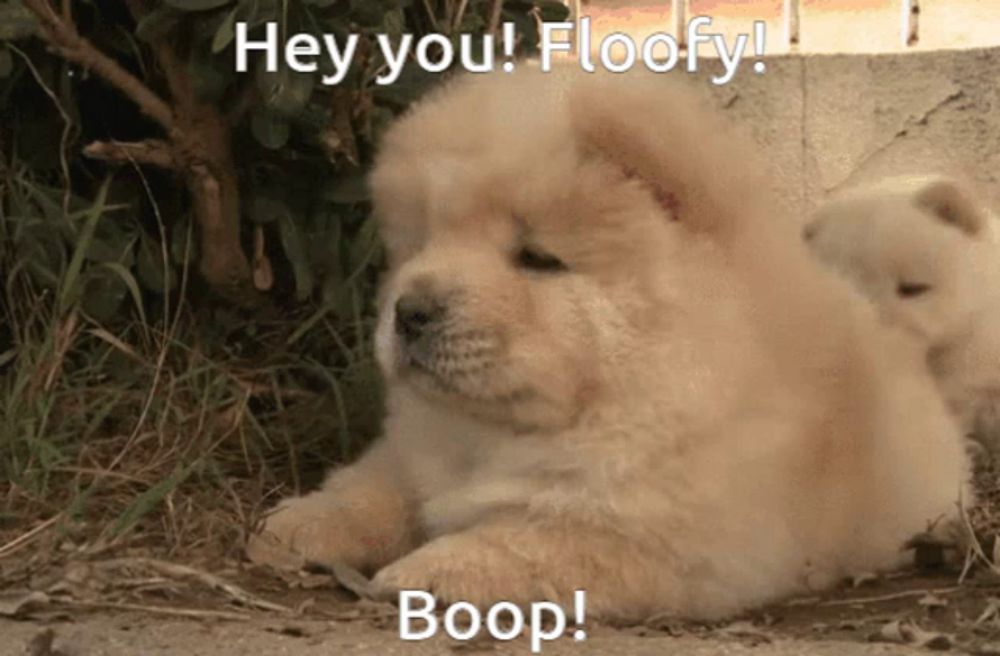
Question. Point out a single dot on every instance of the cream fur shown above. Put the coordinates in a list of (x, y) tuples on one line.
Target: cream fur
[(694, 418), (930, 230)]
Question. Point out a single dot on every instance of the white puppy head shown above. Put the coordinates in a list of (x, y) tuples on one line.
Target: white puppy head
[(920, 248)]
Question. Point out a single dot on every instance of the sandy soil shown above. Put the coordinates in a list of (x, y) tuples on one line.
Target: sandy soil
[(90, 610), (141, 635)]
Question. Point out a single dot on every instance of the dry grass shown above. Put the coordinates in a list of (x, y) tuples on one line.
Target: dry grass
[(171, 428)]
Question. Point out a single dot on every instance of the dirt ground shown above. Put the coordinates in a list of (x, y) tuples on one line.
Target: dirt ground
[(137, 605), (60, 597), (131, 634)]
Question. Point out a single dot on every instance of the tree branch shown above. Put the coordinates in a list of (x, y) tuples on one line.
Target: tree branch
[(496, 7), (201, 140), (198, 146), (64, 38), (151, 151)]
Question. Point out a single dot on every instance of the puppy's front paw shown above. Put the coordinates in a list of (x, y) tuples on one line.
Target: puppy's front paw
[(459, 568), (304, 530), (266, 548)]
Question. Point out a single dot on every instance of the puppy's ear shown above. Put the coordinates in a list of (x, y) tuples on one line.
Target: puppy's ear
[(954, 204), (660, 131)]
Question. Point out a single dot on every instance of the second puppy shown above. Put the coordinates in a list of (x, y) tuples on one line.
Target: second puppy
[(924, 250)]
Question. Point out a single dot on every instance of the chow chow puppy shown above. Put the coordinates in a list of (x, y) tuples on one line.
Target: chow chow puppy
[(924, 250), (612, 366)]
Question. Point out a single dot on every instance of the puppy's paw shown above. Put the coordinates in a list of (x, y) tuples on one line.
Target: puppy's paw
[(266, 548), (459, 568), (304, 531)]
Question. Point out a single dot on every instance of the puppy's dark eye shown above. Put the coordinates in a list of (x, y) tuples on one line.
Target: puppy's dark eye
[(912, 289), (535, 259)]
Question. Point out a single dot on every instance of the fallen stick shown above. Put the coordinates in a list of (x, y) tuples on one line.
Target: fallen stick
[(160, 610), (22, 540), (889, 597), (174, 570)]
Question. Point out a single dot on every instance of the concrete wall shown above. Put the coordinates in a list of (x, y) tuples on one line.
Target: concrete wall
[(825, 121)]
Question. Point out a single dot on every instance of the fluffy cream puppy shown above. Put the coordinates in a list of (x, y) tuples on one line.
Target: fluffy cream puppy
[(924, 249), (611, 366)]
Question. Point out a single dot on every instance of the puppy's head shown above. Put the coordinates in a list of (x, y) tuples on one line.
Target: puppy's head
[(914, 246), (523, 250)]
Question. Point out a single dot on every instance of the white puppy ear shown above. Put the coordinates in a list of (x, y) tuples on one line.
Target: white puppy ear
[(954, 204)]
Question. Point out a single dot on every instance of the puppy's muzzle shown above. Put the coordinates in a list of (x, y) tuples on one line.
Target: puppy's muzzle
[(418, 317)]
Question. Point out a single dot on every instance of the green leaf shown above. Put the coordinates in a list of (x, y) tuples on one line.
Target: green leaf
[(347, 189), (394, 23), (41, 255), (112, 242), (259, 12), (269, 130), (552, 11), (197, 5), (295, 251), (151, 498), (70, 289), (211, 75), (226, 32), (127, 279), (284, 92), (102, 293), (157, 24), (472, 22), (16, 22)]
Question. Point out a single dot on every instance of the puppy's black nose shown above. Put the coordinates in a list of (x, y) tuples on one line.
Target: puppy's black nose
[(416, 314)]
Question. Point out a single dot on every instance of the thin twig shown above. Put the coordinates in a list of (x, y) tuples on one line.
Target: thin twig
[(494, 24), (63, 36), (905, 594), (161, 357), (175, 570), (459, 15), (974, 548), (65, 334), (150, 151), (67, 124), (17, 543), (102, 473), (164, 253), (430, 15), (159, 610)]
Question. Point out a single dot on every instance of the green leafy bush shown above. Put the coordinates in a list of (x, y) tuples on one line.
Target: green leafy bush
[(299, 149)]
